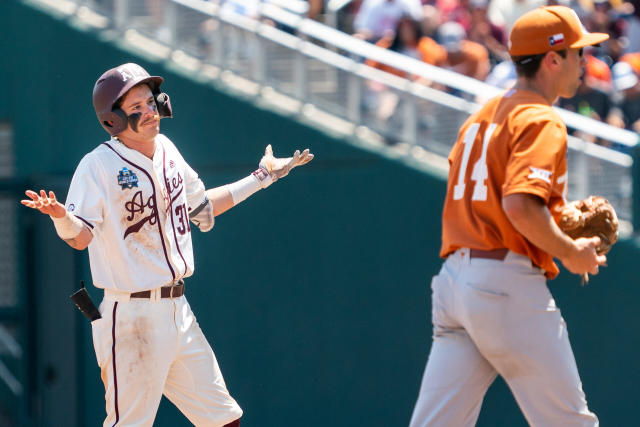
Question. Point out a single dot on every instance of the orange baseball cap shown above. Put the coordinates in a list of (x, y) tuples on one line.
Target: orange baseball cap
[(550, 28)]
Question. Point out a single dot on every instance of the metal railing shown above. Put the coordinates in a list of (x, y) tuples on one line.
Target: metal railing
[(312, 64)]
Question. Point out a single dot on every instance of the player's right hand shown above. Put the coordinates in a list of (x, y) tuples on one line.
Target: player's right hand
[(47, 205), (583, 258)]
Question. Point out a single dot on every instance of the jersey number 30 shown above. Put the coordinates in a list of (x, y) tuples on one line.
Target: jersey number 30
[(480, 172)]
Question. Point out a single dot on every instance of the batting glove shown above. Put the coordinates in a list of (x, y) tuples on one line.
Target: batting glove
[(279, 168)]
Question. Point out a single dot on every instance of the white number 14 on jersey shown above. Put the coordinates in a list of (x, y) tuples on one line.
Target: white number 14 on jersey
[(480, 172)]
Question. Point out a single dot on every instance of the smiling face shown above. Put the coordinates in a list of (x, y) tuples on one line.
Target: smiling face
[(139, 103)]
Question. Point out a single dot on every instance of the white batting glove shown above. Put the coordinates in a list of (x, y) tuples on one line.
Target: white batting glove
[(279, 168)]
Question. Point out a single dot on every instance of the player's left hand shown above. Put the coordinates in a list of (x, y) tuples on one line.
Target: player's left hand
[(279, 168)]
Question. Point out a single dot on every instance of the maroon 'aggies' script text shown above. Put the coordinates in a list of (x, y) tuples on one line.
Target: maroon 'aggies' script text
[(137, 205)]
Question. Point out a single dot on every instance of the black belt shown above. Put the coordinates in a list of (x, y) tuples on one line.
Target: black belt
[(165, 292)]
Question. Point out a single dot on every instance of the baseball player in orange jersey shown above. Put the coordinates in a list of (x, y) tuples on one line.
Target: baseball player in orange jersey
[(492, 311), (130, 202)]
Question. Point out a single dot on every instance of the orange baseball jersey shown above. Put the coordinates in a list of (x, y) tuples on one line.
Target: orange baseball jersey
[(472, 60), (516, 143), (431, 52), (385, 43)]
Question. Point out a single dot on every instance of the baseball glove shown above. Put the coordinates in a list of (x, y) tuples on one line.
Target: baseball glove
[(593, 216)]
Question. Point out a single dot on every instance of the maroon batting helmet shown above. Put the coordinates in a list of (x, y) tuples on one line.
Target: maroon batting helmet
[(114, 84)]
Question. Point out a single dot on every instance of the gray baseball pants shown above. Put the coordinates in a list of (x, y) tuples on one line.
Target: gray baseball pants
[(495, 317)]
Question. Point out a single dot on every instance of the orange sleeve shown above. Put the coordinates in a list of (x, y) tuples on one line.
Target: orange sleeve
[(537, 157), (478, 59), (632, 59), (384, 43), (431, 52)]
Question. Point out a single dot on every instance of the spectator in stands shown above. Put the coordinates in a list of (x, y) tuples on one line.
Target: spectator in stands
[(249, 8), (505, 12), (626, 111), (463, 56), (632, 12), (601, 16), (632, 59), (456, 11), (431, 19), (593, 98), (486, 33), (379, 18), (316, 8), (502, 75), (383, 102), (404, 39)]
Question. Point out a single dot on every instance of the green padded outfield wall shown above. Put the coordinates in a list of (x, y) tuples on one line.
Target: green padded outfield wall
[(314, 293)]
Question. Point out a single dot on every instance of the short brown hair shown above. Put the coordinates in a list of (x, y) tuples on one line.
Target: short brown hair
[(528, 65)]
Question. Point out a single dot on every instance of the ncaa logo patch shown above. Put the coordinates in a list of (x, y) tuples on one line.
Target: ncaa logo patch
[(127, 179)]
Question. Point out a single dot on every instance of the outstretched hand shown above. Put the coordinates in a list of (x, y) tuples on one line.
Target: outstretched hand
[(47, 205), (279, 168)]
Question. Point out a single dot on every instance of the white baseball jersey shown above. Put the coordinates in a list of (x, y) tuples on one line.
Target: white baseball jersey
[(138, 212)]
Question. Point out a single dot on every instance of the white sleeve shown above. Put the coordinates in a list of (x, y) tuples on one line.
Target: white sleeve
[(194, 188), (200, 208), (86, 195), (361, 21), (414, 8)]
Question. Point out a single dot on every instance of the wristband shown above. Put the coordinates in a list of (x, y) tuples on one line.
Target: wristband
[(67, 226), (249, 185)]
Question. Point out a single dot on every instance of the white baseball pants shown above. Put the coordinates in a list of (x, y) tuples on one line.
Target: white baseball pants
[(495, 317), (150, 347)]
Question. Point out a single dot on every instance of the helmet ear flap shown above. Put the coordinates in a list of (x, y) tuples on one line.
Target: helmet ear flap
[(114, 121), (164, 105)]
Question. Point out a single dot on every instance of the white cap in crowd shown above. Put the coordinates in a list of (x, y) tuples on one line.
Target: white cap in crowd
[(623, 76)]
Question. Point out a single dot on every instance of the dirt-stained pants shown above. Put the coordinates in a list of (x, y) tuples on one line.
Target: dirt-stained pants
[(495, 317), (149, 347)]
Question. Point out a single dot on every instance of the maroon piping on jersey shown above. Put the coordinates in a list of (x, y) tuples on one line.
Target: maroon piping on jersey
[(155, 203), (85, 221), (185, 214), (113, 362)]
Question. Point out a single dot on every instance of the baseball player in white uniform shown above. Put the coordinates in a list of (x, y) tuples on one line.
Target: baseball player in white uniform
[(130, 202)]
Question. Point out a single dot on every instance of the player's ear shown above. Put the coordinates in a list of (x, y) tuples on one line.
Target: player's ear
[(554, 57)]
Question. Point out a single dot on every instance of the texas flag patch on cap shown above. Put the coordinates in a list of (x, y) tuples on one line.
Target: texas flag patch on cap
[(556, 39)]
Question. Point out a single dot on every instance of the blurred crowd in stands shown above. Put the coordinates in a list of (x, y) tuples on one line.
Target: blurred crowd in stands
[(471, 37)]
